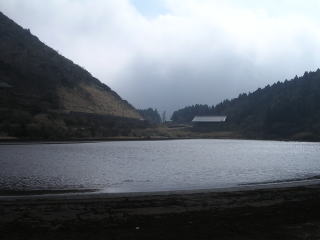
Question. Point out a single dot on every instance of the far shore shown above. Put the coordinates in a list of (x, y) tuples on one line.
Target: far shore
[(4, 141), (14, 141)]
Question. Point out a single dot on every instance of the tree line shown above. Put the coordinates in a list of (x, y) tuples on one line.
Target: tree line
[(288, 110), (151, 115)]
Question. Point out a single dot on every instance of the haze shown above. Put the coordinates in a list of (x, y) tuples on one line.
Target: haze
[(167, 54)]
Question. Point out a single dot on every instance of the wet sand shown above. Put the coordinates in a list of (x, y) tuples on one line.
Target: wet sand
[(272, 211)]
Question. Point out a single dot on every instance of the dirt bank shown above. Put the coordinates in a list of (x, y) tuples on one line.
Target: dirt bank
[(273, 213)]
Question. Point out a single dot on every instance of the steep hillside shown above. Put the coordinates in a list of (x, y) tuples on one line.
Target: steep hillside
[(285, 110), (43, 95), (41, 79)]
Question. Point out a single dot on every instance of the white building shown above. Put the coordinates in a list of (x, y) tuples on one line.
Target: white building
[(209, 119)]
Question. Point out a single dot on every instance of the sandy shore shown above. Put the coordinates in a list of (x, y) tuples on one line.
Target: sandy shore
[(271, 211)]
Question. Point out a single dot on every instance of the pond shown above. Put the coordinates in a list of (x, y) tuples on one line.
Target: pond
[(139, 166)]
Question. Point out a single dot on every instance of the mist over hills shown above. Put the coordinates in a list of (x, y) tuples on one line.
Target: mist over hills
[(38, 86), (45, 95)]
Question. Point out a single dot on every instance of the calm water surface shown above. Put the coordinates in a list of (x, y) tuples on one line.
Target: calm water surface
[(154, 165)]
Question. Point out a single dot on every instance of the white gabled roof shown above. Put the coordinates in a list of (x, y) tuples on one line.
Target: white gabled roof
[(209, 119)]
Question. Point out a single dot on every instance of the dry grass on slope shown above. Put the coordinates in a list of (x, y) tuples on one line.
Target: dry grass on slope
[(91, 99)]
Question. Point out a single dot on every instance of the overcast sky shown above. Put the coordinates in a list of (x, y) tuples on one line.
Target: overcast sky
[(167, 54)]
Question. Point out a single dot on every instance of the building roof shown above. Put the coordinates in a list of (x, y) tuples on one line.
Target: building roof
[(209, 119)]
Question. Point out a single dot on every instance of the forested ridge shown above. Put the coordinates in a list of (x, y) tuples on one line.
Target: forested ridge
[(288, 110)]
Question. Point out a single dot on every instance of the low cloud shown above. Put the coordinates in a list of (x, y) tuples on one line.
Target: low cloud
[(197, 51)]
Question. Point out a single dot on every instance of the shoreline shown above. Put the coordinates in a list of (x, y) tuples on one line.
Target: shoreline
[(70, 194), (129, 139), (284, 209), (74, 141), (271, 210)]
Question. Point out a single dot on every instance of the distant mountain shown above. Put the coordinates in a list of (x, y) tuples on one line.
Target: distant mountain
[(36, 82), (285, 110)]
